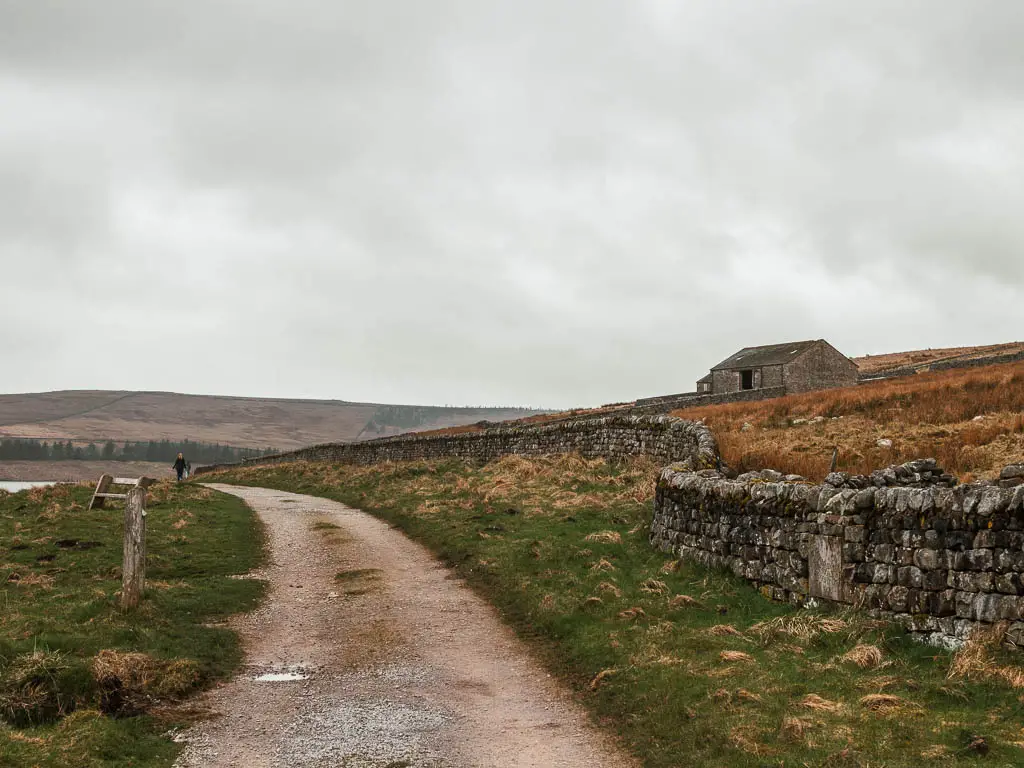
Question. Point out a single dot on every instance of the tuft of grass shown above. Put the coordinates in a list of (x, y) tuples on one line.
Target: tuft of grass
[(605, 537), (882, 702), (734, 656), (801, 626), (981, 658), (672, 699), (32, 689), (864, 656), (814, 701), (81, 680)]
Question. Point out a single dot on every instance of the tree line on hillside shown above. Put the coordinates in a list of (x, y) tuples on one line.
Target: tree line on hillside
[(19, 449)]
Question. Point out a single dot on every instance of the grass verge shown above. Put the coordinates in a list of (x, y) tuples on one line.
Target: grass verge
[(83, 683), (689, 667)]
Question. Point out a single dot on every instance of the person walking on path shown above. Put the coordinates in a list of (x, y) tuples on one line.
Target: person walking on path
[(179, 466)]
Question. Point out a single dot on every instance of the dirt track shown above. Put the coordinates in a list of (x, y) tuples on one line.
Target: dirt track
[(402, 664)]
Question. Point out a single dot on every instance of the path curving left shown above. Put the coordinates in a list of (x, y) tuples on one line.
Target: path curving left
[(398, 663)]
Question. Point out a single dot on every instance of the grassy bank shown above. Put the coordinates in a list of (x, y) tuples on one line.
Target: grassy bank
[(690, 667), (972, 421), (81, 682)]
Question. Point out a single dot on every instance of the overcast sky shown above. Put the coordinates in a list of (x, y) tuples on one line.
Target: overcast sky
[(538, 202)]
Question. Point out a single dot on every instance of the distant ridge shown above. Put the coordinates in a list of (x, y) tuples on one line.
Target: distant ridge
[(245, 422)]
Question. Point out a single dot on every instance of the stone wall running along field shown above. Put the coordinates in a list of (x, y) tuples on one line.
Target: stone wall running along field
[(664, 438)]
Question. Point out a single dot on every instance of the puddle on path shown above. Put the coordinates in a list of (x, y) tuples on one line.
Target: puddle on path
[(282, 674), (280, 677)]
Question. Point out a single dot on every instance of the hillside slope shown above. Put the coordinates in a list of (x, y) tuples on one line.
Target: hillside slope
[(237, 421), (876, 364), (971, 420)]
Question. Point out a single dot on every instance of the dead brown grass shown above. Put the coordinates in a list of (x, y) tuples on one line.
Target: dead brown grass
[(793, 729), (131, 683), (653, 587), (605, 537), (978, 659), (722, 630), (636, 612), (864, 656), (922, 357), (684, 600), (735, 656), (814, 701), (802, 626), (930, 414), (607, 586), (600, 676), (883, 702)]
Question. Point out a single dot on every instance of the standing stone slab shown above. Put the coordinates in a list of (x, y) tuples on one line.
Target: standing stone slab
[(825, 566)]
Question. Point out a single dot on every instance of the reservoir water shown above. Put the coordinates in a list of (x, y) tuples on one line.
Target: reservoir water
[(14, 486)]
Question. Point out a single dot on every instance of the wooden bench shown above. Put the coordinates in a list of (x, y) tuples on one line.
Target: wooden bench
[(103, 492)]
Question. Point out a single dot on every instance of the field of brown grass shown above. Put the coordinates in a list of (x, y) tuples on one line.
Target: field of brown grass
[(971, 420), (877, 363), (237, 421)]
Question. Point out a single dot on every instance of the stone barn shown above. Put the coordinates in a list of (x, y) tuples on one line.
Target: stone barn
[(800, 366)]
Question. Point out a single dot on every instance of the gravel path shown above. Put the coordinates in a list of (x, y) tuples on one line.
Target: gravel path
[(396, 665)]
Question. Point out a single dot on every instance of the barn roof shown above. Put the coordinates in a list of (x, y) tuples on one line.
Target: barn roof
[(771, 354), (704, 379)]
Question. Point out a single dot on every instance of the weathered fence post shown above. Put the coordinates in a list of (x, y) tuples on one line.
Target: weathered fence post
[(835, 460), (133, 574)]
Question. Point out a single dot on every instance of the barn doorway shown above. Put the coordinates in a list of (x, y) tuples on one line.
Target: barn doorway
[(746, 379)]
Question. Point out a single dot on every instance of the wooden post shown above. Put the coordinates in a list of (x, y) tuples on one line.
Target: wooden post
[(133, 574), (835, 459)]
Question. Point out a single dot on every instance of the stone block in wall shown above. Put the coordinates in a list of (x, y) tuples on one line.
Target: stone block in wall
[(903, 556), (971, 581), (909, 576), (1015, 634), (928, 559), (935, 580), (882, 553), (941, 603), (980, 559), (1011, 608), (1009, 583), (896, 600), (854, 533), (853, 553)]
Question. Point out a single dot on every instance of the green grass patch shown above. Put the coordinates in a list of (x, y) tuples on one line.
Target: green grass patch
[(323, 525), (688, 666), (82, 682)]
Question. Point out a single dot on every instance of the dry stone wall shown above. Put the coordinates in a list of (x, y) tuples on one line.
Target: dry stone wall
[(665, 438), (905, 544), (667, 403)]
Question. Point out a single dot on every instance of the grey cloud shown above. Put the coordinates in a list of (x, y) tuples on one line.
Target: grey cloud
[(548, 203)]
